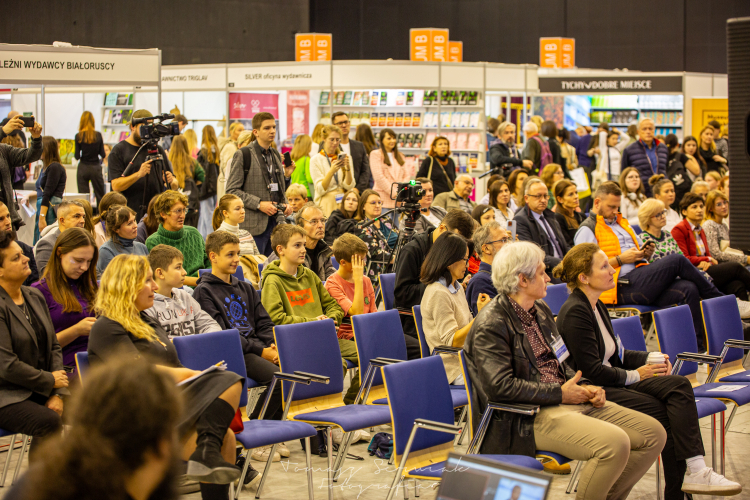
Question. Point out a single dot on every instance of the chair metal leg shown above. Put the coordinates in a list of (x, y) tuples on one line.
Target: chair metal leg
[(7, 459), (460, 419), (266, 470), (714, 446), (242, 476), (723, 447), (464, 431), (416, 489), (20, 458), (406, 488), (390, 460), (330, 462), (725, 428), (341, 456), (658, 477), (574, 477), (308, 463)]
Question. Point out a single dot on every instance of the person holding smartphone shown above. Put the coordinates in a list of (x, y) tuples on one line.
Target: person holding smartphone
[(331, 171), (11, 157)]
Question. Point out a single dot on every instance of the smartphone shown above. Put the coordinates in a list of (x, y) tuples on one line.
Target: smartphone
[(512, 229), (287, 159), (342, 156), (28, 121)]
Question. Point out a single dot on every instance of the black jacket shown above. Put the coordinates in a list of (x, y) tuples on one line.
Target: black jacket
[(528, 229), (503, 369), (218, 298), (557, 157), (361, 165), (500, 156), (439, 180), (409, 290), (568, 231), (336, 225), (585, 341)]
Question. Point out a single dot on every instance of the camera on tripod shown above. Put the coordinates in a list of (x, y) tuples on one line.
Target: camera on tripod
[(153, 127), (408, 192)]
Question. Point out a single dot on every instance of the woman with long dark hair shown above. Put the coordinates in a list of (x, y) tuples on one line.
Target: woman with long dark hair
[(149, 223), (122, 231), (515, 184), (439, 166), (690, 149), (365, 136), (499, 199), (388, 165), (124, 329), (69, 288), (100, 221), (89, 151), (681, 169), (53, 182), (567, 210), (208, 159), (342, 219)]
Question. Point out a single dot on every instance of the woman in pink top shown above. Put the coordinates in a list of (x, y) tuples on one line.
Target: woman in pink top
[(388, 165)]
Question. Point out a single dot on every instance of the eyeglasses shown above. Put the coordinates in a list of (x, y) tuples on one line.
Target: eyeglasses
[(315, 222), (661, 214), (541, 196), (375, 203), (722, 203), (340, 124), (179, 212), (501, 240)]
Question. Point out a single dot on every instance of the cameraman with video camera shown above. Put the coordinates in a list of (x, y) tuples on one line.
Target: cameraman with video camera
[(131, 174)]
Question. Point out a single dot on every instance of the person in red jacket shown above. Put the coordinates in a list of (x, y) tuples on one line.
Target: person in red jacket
[(729, 277)]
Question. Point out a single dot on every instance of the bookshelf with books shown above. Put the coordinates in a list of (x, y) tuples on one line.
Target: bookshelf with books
[(117, 111)]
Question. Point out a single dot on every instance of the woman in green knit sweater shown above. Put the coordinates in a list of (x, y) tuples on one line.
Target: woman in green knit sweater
[(171, 207)]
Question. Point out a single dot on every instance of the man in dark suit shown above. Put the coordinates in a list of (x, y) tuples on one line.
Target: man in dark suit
[(536, 223), (356, 151), (257, 178)]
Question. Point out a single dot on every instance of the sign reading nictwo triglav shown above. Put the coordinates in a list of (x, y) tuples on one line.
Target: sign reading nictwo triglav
[(638, 84)]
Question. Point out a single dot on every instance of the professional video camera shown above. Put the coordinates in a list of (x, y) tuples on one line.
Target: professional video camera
[(154, 128), (408, 192)]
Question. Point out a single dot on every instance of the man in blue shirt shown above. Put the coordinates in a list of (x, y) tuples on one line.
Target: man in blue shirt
[(488, 240)]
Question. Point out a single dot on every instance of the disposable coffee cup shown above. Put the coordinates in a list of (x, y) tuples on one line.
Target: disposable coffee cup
[(655, 358)]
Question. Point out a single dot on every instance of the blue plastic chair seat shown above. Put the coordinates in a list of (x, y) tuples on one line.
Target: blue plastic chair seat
[(639, 308), (349, 364), (458, 393), (740, 397), (259, 433), (707, 406), (350, 417), (560, 459), (251, 384), (436, 470), (737, 377)]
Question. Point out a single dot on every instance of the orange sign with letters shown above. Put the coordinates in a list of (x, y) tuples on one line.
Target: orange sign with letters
[(428, 44), (557, 52), (455, 51), (299, 298), (420, 44), (313, 47)]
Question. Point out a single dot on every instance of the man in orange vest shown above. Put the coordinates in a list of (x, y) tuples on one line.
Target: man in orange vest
[(639, 282)]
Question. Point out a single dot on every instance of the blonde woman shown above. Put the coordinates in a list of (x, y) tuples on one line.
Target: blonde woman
[(713, 178), (192, 139), (89, 151), (301, 157), (123, 329), (331, 171), (707, 150), (189, 174), (227, 148), (388, 165), (317, 138)]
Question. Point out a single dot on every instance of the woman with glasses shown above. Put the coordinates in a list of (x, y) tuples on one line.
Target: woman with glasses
[(380, 236), (446, 317), (331, 171), (170, 209), (717, 233)]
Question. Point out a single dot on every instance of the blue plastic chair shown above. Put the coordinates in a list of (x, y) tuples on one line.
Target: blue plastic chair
[(636, 228), (388, 289), (201, 351), (260, 270), (424, 349), (334, 263), (312, 350), (556, 297), (82, 364), (724, 335), (239, 273), (420, 402)]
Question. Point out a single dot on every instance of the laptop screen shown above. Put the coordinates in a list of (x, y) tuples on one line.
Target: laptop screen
[(473, 478)]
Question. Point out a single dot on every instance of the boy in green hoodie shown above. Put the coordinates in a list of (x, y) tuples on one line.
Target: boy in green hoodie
[(292, 293)]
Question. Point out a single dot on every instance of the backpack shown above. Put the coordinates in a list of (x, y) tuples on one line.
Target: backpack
[(545, 157), (381, 445), (209, 187)]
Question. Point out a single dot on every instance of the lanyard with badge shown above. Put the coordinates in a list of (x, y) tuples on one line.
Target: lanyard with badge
[(272, 186), (620, 348), (560, 349)]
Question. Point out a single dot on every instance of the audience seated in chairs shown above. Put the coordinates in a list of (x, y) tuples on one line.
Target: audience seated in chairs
[(567, 209), (149, 223), (483, 214), (171, 208), (717, 229), (488, 240), (499, 199), (100, 221), (120, 443), (668, 281), (211, 400), (342, 219), (511, 358), (122, 229), (458, 198), (632, 194), (32, 379), (446, 317), (69, 288), (626, 377), (663, 189), (228, 215), (69, 214), (28, 251)]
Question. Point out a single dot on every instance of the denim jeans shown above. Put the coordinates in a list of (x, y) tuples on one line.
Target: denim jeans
[(668, 281)]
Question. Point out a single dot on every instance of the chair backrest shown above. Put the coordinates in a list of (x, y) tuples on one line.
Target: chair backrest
[(468, 385), (424, 349), (334, 262), (82, 363), (388, 289), (631, 333), (239, 273), (419, 389), (312, 347), (721, 319), (198, 352), (260, 270), (556, 297), (676, 334), (636, 228), (378, 335)]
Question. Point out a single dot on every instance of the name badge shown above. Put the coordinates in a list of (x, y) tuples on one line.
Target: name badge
[(561, 350), (339, 197), (274, 186), (620, 349)]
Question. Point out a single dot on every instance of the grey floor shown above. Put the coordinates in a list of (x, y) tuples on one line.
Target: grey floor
[(370, 478)]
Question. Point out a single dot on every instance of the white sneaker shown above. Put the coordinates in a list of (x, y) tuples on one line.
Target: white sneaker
[(283, 450), (744, 308), (708, 482), (262, 454)]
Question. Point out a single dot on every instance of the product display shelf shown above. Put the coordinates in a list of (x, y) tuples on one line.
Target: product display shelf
[(115, 118)]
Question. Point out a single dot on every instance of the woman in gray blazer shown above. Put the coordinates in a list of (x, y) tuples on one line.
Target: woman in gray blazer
[(32, 379)]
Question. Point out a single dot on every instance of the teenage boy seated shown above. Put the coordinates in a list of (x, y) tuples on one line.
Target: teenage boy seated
[(292, 293), (174, 308)]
